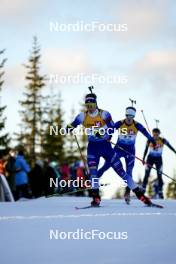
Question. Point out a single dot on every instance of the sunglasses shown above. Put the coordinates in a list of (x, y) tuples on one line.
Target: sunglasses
[(90, 105), (129, 116)]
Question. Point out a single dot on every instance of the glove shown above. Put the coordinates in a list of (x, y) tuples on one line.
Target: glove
[(109, 138), (69, 128), (97, 134), (143, 161)]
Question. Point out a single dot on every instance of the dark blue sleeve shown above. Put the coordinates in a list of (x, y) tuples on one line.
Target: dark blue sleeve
[(77, 121), (118, 124), (144, 131), (109, 123), (166, 142)]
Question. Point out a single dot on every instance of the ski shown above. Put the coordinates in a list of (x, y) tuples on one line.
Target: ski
[(87, 207), (156, 205)]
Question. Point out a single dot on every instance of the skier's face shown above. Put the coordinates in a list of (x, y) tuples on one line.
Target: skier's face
[(129, 118), (155, 135), (91, 107)]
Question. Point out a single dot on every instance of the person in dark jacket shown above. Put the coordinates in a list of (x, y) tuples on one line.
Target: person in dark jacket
[(36, 178), (11, 170)]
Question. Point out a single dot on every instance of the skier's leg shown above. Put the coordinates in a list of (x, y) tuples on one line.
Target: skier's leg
[(111, 156), (129, 160), (92, 161), (150, 163), (117, 166), (159, 167), (104, 168), (107, 164)]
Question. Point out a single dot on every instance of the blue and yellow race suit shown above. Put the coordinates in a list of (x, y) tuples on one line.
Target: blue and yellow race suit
[(99, 146), (125, 146), (155, 158)]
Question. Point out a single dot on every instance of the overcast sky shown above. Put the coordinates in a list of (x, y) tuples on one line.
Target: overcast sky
[(145, 55)]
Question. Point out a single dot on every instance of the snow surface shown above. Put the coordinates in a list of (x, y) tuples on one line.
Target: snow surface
[(25, 232)]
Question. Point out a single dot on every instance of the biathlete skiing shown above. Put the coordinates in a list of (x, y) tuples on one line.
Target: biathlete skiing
[(155, 158), (125, 146), (99, 146)]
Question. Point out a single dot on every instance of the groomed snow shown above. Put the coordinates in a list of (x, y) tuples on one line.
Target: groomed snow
[(25, 228)]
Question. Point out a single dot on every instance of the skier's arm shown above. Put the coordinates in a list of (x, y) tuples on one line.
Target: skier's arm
[(77, 121), (144, 131), (109, 124), (169, 145), (108, 119), (118, 124), (145, 151)]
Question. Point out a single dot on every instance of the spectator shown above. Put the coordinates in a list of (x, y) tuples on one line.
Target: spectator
[(50, 173), (22, 168), (36, 178), (65, 176), (11, 170), (80, 176), (2, 168)]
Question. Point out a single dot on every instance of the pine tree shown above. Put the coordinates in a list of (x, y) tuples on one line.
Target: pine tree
[(4, 138), (53, 143), (31, 113)]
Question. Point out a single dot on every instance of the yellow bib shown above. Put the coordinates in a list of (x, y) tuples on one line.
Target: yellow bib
[(90, 121), (131, 129), (159, 144)]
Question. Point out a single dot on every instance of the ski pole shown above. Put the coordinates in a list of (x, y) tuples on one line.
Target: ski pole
[(142, 111), (76, 191), (68, 193), (143, 161), (81, 155)]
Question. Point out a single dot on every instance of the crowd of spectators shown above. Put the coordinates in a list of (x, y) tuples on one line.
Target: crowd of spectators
[(46, 178)]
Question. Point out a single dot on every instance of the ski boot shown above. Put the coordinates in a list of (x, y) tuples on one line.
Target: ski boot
[(140, 195), (127, 195), (160, 194), (96, 198)]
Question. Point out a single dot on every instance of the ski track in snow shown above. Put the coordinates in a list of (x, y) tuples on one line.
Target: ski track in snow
[(60, 216), (110, 209)]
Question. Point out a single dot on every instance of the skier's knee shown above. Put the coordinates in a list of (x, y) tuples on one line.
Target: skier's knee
[(116, 163)]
